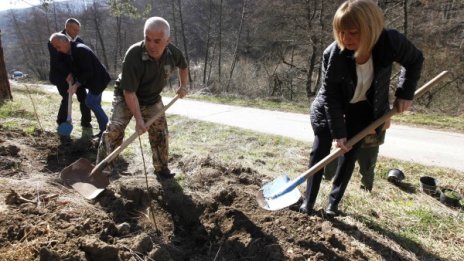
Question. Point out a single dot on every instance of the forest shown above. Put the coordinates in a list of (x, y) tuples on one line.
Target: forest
[(246, 48)]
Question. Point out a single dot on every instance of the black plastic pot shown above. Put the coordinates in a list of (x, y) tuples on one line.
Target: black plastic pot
[(395, 176), (450, 197), (429, 185)]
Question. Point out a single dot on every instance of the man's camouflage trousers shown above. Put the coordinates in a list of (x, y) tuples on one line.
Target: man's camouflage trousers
[(157, 132)]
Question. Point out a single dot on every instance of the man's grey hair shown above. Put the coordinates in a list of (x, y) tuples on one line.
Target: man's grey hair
[(156, 24), (60, 36), (72, 21)]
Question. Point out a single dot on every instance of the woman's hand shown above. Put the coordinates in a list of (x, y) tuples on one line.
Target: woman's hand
[(402, 105)]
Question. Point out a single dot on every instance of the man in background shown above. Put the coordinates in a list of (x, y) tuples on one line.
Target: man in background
[(61, 76), (87, 73)]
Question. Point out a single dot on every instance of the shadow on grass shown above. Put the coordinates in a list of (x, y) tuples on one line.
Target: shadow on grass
[(406, 187), (385, 251)]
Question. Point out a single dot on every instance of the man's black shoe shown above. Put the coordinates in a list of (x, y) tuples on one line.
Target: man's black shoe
[(165, 173)]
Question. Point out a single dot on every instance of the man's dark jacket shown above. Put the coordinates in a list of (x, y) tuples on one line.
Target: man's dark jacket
[(60, 65), (339, 81), (87, 69)]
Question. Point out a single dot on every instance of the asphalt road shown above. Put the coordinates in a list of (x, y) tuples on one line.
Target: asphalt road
[(424, 146), (419, 145)]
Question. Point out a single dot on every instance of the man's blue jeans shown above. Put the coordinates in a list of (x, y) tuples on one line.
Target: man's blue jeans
[(94, 103)]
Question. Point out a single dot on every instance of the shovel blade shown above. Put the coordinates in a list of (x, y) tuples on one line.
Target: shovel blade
[(65, 129), (77, 175), (267, 200)]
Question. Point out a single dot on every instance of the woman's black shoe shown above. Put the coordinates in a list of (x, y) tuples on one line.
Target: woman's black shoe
[(331, 210), (306, 207)]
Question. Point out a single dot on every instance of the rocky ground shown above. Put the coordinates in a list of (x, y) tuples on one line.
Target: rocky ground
[(209, 212)]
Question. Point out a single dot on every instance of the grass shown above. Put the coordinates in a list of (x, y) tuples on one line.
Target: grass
[(416, 221), (432, 120)]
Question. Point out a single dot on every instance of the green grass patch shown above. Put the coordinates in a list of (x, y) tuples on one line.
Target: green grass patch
[(13, 109), (273, 155), (434, 120)]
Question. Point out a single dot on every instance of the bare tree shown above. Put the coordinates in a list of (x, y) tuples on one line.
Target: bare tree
[(208, 41), (184, 39), (5, 91), (311, 12), (97, 20), (405, 14), (32, 44), (234, 56), (122, 11), (174, 27), (220, 43)]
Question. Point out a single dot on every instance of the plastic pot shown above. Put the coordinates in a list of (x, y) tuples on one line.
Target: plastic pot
[(450, 197), (429, 185), (395, 176)]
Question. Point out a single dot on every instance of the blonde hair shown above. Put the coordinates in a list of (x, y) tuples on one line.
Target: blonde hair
[(363, 15)]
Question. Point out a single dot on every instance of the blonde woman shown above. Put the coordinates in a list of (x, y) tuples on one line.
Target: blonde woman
[(356, 70)]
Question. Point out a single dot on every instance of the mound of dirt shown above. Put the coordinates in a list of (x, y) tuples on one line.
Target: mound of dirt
[(209, 212)]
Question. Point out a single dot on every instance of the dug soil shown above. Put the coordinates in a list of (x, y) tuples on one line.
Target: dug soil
[(209, 212)]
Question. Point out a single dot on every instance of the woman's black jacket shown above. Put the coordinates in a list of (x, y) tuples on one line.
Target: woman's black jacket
[(339, 81)]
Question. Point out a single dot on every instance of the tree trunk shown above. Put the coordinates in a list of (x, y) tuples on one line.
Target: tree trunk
[(184, 40), (118, 48), (99, 34), (174, 24), (405, 10), (208, 41), (311, 12), (234, 57), (312, 63), (220, 45), (54, 17), (5, 91)]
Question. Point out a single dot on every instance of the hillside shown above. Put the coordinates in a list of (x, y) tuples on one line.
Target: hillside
[(250, 48)]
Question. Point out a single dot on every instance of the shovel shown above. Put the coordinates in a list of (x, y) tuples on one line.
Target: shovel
[(282, 192), (88, 180), (66, 127)]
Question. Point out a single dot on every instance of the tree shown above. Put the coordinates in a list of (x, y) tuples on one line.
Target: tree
[(208, 41), (220, 42), (184, 39), (234, 56), (5, 91), (98, 22)]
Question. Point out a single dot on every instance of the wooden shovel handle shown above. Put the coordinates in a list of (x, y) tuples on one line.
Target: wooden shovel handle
[(336, 153), (69, 116), (129, 140)]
